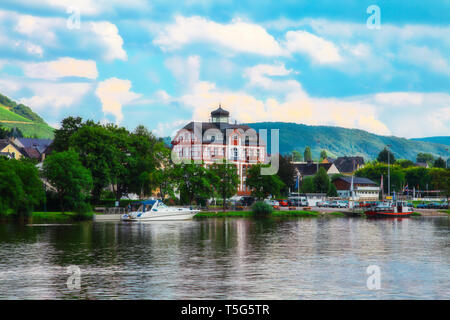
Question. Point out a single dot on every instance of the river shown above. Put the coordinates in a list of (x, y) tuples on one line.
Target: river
[(228, 258)]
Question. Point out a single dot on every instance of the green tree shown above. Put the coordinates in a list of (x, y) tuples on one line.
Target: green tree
[(20, 187), (308, 185), (193, 182), (307, 154), (439, 163), (332, 192), (323, 155), (425, 158), (72, 181), (440, 180), (297, 156), (96, 148), (263, 185), (225, 180), (286, 173), (404, 163), (68, 127), (321, 181), (386, 156)]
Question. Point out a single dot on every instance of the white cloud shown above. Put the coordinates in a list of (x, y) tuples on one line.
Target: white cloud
[(29, 47), (109, 35), (63, 67), (319, 50), (237, 36), (425, 57), (186, 71), (88, 7), (259, 76), (114, 93), (37, 27), (295, 107), (54, 95)]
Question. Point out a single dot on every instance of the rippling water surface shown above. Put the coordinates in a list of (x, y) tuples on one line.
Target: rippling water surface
[(228, 259)]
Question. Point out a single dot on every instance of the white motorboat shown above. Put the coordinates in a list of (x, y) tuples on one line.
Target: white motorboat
[(154, 210)]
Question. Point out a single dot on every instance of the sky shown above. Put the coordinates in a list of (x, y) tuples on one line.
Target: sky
[(380, 66)]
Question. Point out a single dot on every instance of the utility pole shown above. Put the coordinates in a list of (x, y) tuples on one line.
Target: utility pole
[(389, 173)]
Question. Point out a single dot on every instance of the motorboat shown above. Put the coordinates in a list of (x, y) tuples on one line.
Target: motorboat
[(154, 210), (389, 210)]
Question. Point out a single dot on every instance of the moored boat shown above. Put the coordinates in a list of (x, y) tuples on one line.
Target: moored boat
[(156, 210), (389, 210)]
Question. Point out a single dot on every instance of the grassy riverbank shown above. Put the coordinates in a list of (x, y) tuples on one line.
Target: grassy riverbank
[(243, 214), (52, 216)]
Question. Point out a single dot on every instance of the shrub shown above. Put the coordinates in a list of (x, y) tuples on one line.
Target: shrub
[(261, 209)]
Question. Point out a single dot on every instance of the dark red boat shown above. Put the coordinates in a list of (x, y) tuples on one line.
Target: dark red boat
[(390, 210)]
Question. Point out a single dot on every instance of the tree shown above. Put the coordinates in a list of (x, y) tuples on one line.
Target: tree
[(425, 158), (321, 181), (263, 185), (308, 185), (72, 181), (386, 156), (332, 192), (296, 156), (286, 173), (225, 180), (439, 163), (323, 155), (404, 163), (68, 127), (20, 187), (307, 154), (440, 180), (193, 182), (96, 148)]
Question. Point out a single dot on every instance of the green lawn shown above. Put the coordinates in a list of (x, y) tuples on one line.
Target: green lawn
[(59, 216), (276, 213)]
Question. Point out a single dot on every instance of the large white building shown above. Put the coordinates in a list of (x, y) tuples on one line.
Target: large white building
[(218, 139)]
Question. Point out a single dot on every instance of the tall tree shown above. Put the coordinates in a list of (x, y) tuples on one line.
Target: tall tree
[(308, 185), (297, 156), (20, 187), (307, 154), (425, 158), (323, 155), (439, 163), (321, 181), (263, 185), (225, 180), (287, 173), (68, 127), (72, 181), (193, 182), (386, 156)]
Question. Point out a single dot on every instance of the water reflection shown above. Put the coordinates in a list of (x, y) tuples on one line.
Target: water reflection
[(228, 259)]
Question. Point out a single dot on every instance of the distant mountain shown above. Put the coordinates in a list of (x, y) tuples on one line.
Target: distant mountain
[(13, 115), (442, 140), (339, 141)]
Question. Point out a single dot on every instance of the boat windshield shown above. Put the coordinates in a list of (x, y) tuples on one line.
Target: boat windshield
[(162, 205)]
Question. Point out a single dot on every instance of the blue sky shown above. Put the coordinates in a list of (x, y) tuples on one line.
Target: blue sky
[(162, 63)]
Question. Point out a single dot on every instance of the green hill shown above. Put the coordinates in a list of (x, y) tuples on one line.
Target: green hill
[(13, 115), (441, 140), (339, 141)]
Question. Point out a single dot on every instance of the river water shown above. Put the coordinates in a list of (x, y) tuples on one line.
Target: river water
[(236, 258)]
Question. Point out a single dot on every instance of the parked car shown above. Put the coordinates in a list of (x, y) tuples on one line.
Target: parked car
[(247, 201), (283, 202), (338, 204), (323, 204), (275, 204)]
